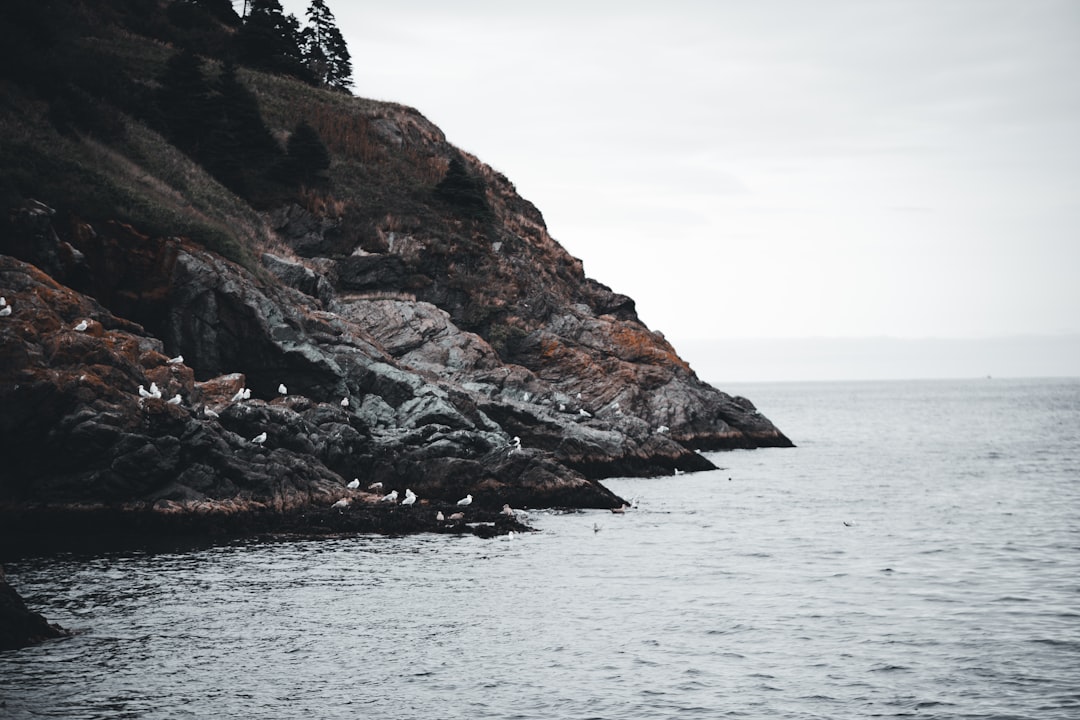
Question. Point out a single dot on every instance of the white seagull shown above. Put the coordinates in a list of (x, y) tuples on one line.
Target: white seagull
[(247, 393), (515, 445), (143, 393), (154, 391), (176, 360), (439, 516), (344, 402), (354, 484), (507, 510), (259, 439), (375, 486), (209, 413), (389, 497), (3, 301), (457, 516), (410, 498), (238, 396), (342, 503), (175, 399), (81, 327), (584, 413), (282, 390), (5, 311), (467, 500)]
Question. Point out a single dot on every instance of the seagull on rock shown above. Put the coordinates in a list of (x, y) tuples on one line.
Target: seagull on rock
[(3, 301), (344, 402), (341, 504), (260, 438), (584, 413), (176, 360), (390, 497), (375, 486), (238, 396), (5, 311), (81, 327), (467, 500), (154, 391), (410, 497), (457, 516), (507, 510), (175, 399), (282, 390), (439, 516), (515, 445), (354, 484), (143, 392)]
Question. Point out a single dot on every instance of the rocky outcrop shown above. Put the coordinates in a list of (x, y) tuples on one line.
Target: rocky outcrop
[(417, 331), (380, 386), (20, 626)]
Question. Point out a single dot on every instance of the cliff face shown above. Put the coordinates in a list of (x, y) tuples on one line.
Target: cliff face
[(413, 305)]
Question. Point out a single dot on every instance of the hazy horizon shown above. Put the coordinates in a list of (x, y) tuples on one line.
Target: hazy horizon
[(739, 360)]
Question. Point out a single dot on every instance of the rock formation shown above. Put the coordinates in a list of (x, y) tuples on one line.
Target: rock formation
[(415, 306)]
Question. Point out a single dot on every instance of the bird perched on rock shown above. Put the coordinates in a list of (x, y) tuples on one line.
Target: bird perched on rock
[(175, 399), (390, 497), (410, 497), (507, 510), (344, 402), (584, 413), (143, 393), (5, 311), (467, 500), (342, 503), (282, 390), (155, 392), (209, 413), (515, 445), (3, 301), (238, 396), (81, 327), (260, 438), (439, 516), (355, 483), (176, 360), (375, 486), (457, 516)]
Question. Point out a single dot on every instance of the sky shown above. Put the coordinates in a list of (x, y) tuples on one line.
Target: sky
[(775, 169)]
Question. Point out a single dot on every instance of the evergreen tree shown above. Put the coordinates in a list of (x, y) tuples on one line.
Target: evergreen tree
[(307, 157), (270, 39), (184, 101), (325, 52), (462, 189), (241, 148)]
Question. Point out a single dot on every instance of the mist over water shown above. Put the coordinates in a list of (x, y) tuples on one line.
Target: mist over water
[(918, 554)]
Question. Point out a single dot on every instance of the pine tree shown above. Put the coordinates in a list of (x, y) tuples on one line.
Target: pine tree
[(270, 39), (325, 51), (184, 100), (307, 157), (240, 148)]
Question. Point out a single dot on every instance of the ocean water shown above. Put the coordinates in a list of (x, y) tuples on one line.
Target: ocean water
[(917, 555)]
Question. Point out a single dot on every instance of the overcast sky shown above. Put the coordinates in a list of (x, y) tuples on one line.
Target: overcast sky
[(771, 168)]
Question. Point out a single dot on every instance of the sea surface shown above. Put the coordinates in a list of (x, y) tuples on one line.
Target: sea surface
[(917, 555)]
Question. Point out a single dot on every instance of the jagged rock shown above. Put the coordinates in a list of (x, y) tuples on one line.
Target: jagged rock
[(300, 277), (20, 626)]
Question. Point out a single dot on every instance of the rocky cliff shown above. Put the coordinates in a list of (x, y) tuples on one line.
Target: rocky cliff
[(405, 320)]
